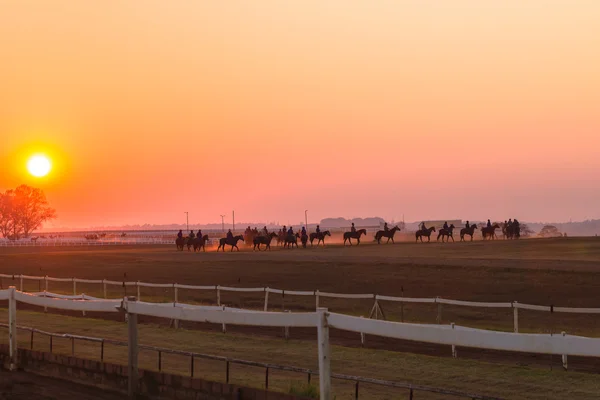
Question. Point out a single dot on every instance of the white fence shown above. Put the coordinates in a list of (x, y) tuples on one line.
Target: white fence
[(321, 319), (515, 306)]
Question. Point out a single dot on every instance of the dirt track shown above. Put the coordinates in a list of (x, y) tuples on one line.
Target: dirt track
[(563, 272)]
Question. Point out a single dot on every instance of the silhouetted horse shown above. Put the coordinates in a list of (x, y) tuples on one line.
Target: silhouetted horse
[(424, 232), (304, 239), (233, 242), (180, 242), (467, 231), (354, 235), (447, 233), (489, 232), (389, 234), (200, 243), (511, 231), (266, 240), (291, 240), (320, 236)]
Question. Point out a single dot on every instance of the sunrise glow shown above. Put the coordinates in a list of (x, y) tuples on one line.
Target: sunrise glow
[(39, 166)]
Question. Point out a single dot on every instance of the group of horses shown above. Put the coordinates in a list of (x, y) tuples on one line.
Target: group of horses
[(509, 231), (256, 239)]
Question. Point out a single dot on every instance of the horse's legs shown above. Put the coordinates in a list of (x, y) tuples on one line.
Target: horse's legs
[(451, 237)]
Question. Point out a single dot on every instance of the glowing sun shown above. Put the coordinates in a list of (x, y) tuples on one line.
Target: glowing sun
[(39, 165)]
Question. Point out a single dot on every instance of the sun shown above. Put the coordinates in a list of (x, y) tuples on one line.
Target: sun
[(39, 165)]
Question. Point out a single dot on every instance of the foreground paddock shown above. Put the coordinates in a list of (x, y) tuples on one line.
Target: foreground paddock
[(511, 382), (560, 272)]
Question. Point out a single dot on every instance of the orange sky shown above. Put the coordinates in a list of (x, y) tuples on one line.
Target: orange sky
[(432, 109)]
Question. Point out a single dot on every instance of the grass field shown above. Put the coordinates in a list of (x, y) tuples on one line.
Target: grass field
[(508, 381), (563, 272)]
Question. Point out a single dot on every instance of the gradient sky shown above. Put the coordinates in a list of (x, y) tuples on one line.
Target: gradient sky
[(433, 109)]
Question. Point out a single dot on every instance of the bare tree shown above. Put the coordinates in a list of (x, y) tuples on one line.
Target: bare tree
[(6, 213), (30, 210)]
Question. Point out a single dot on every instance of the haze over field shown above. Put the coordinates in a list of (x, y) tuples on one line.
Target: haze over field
[(432, 109)]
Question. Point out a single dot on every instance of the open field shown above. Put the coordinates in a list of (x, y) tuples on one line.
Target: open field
[(562, 272), (507, 381)]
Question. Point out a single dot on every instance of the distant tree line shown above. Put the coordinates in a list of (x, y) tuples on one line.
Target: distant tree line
[(22, 211)]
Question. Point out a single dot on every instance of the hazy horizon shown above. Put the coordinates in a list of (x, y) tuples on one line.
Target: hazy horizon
[(428, 109)]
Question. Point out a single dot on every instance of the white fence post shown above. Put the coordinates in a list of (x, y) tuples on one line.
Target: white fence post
[(453, 346), (286, 329), (438, 318), (104, 287), (324, 357), (45, 290), (74, 287), (12, 328), (317, 299), (218, 295), (515, 317), (564, 356), (132, 350), (175, 300), (266, 299), (362, 337), (21, 283), (137, 284)]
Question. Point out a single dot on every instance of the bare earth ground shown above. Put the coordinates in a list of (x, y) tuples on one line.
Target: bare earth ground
[(20, 385), (563, 272)]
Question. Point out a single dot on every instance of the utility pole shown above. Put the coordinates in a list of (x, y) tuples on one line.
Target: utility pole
[(223, 222), (233, 213), (187, 220), (306, 219)]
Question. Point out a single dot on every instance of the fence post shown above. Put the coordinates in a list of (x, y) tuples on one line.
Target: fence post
[(12, 328), (132, 346), (21, 283), (515, 316), (564, 356), (218, 295), (438, 318), (324, 358), (362, 337), (266, 298), (45, 290), (317, 299), (453, 346), (286, 329), (104, 287), (74, 287), (83, 298), (137, 284), (175, 299)]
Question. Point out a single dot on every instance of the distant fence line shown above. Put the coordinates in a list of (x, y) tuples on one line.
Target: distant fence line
[(376, 309), (321, 319)]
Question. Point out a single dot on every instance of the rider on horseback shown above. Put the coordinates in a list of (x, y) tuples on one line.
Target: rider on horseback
[(353, 228), (229, 235), (264, 231), (467, 225), (303, 231), (180, 234), (290, 231), (446, 226), (191, 235), (385, 227), (423, 227), (489, 224), (199, 234), (318, 229)]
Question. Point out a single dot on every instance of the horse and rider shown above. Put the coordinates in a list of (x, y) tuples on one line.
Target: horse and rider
[(387, 233), (424, 231), (447, 232), (511, 229)]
